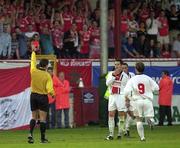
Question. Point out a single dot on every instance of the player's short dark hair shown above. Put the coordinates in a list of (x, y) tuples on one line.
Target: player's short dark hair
[(43, 63), (119, 60), (125, 64), (140, 67)]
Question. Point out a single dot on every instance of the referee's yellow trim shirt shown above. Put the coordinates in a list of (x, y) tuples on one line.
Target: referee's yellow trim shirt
[(41, 81)]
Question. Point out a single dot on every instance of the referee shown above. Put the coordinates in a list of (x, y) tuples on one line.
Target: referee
[(41, 86)]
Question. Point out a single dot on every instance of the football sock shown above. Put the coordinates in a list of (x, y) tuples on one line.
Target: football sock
[(140, 129), (43, 129), (121, 125), (127, 123), (32, 125), (111, 125)]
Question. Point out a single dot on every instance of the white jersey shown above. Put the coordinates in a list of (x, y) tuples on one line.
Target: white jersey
[(130, 75), (120, 83), (141, 87)]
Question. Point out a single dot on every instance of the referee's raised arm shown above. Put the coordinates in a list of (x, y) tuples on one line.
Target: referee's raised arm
[(33, 61)]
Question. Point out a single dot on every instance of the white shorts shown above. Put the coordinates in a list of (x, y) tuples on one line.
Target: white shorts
[(143, 108), (131, 107), (116, 102), (163, 39)]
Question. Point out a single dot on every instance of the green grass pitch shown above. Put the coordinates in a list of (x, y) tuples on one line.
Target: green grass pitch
[(93, 137)]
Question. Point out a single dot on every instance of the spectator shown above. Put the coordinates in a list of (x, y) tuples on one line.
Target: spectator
[(111, 46), (152, 27), (165, 98), (67, 17), (71, 42), (62, 101), (142, 29), (128, 49), (159, 49), (46, 41), (152, 50), (95, 40), (22, 39), (21, 22), (176, 46), (166, 53), (79, 19), (141, 45), (57, 36), (124, 24), (133, 27), (96, 16), (163, 28), (52, 107), (85, 39), (14, 47), (42, 22), (30, 32), (144, 12), (35, 43), (5, 44), (174, 23)]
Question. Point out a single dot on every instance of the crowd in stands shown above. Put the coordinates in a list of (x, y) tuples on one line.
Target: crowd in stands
[(150, 29), (71, 28)]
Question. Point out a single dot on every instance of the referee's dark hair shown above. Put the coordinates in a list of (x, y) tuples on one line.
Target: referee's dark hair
[(140, 67), (43, 63)]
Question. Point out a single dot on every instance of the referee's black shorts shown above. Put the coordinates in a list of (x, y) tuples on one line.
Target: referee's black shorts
[(39, 102)]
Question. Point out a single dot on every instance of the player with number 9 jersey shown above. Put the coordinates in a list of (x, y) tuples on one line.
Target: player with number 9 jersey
[(142, 87)]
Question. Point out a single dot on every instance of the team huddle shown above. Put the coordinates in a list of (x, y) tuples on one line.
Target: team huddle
[(131, 95)]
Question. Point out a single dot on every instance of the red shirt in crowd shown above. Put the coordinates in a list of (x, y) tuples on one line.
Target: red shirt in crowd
[(80, 20), (68, 18), (166, 54), (95, 35), (85, 38), (124, 24), (23, 24), (44, 23), (57, 36), (164, 27)]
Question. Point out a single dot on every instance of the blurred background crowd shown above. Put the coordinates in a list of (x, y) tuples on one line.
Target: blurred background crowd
[(71, 28)]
